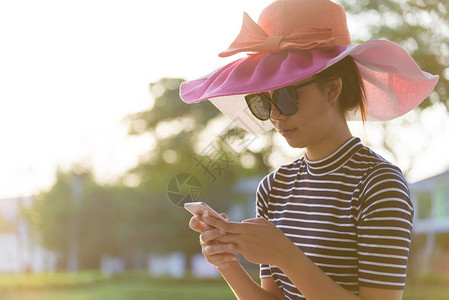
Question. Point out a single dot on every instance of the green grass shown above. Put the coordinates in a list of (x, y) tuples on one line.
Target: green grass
[(129, 291), (94, 286), (46, 280), (136, 286), (427, 287)]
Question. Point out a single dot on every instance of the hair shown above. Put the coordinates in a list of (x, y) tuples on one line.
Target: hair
[(352, 94)]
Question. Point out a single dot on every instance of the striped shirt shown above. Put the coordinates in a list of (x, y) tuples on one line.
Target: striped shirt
[(350, 213)]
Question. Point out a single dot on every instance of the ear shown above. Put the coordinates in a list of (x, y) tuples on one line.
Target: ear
[(332, 89)]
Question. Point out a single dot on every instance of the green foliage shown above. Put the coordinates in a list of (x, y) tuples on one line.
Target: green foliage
[(123, 221), (120, 220), (50, 214), (96, 219), (421, 27), (178, 128), (55, 215)]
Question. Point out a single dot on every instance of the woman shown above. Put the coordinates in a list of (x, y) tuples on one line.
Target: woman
[(336, 223)]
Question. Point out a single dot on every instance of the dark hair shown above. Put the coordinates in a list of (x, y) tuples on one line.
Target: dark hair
[(352, 94)]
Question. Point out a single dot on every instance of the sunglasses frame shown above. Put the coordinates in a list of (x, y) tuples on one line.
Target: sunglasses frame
[(272, 100)]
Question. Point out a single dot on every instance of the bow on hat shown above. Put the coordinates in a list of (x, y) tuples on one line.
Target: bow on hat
[(252, 38)]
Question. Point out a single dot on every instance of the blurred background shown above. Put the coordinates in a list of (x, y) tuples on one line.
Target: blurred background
[(99, 152)]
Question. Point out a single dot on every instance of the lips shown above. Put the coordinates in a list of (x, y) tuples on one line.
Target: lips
[(286, 132)]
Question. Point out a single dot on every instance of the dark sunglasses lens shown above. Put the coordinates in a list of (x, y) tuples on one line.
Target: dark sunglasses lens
[(259, 107), (287, 101)]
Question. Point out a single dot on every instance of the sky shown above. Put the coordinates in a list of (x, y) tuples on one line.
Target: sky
[(71, 71)]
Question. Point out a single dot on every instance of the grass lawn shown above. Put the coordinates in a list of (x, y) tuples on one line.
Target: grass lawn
[(427, 287), (93, 286), (128, 291)]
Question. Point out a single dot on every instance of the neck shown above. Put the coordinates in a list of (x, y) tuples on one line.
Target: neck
[(329, 142)]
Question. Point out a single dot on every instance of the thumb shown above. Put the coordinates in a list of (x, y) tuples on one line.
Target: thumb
[(225, 216), (253, 220)]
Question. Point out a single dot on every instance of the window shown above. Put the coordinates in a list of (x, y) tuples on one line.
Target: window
[(424, 205), (445, 203)]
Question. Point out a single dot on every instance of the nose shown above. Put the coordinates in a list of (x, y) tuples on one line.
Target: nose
[(275, 114)]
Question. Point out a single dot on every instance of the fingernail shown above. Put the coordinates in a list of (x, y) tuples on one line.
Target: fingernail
[(221, 231), (230, 246)]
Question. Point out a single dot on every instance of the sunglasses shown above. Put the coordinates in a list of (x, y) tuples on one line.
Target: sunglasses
[(284, 99)]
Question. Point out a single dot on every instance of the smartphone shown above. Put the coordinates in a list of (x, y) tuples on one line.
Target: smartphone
[(194, 207)]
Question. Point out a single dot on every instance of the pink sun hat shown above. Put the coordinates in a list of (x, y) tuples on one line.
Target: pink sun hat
[(295, 39)]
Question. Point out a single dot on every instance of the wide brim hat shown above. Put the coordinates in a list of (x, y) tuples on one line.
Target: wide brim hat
[(295, 39)]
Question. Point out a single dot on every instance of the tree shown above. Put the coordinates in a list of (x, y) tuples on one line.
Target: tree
[(83, 219), (179, 129), (422, 28)]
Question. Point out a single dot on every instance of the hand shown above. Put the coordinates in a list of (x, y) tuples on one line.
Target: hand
[(215, 252), (258, 240), (197, 223)]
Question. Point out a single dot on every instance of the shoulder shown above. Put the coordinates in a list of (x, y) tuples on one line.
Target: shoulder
[(383, 184), (383, 174), (263, 195), (284, 170), (378, 168), (266, 183), (385, 189)]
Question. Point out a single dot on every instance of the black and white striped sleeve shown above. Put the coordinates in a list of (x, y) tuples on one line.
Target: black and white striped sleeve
[(384, 229), (262, 197)]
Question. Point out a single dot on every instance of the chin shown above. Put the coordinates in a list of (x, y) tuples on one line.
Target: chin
[(297, 142), (303, 138)]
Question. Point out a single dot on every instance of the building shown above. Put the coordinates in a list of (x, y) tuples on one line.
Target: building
[(431, 221), (18, 252)]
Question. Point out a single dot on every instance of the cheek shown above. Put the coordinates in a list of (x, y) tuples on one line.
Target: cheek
[(310, 125), (309, 111), (304, 136), (311, 103)]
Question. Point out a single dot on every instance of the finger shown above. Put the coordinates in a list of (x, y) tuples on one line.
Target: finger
[(221, 259), (231, 227), (203, 224), (217, 249), (197, 223), (207, 227), (234, 238), (225, 216), (253, 220), (210, 235)]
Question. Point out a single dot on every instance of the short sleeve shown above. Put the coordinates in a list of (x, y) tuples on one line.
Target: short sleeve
[(262, 197), (384, 229)]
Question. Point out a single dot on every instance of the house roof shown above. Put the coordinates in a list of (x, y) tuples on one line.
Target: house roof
[(430, 183)]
